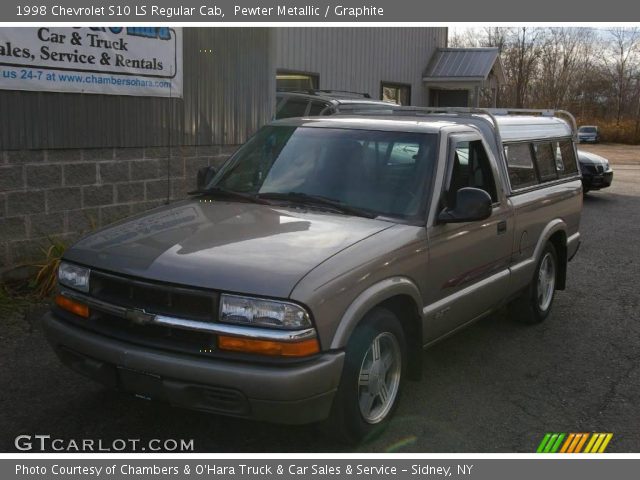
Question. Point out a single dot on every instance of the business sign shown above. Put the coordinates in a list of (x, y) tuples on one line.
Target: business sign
[(140, 61)]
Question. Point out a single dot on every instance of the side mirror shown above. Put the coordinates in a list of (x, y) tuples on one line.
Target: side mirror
[(205, 174), (472, 204)]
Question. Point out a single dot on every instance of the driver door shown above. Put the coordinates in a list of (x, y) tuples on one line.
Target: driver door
[(468, 264)]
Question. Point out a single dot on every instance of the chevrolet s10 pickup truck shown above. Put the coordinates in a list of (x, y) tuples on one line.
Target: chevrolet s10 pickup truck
[(301, 282)]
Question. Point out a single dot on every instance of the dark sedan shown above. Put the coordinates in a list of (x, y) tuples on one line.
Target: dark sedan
[(596, 171)]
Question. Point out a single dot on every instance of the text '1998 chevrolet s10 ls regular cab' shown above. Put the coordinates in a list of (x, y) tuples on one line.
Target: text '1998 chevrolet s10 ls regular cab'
[(302, 280)]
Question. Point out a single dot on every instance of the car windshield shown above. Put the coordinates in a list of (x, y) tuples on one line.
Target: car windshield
[(587, 129), (386, 173)]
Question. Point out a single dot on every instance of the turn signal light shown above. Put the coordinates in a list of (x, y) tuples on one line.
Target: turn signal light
[(72, 306), (269, 347)]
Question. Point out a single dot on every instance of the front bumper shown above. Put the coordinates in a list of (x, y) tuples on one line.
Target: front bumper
[(596, 181), (292, 394)]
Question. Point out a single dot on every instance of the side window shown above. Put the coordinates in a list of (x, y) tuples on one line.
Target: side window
[(471, 168), (317, 108), (558, 156), (522, 173), (546, 161), (565, 156), (293, 107)]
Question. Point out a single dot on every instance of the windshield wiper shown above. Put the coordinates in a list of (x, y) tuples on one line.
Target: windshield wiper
[(223, 192), (318, 201)]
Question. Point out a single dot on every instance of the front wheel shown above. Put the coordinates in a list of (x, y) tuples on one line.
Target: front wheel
[(371, 380), (535, 303)]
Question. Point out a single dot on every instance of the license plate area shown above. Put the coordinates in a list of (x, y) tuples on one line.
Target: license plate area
[(142, 384)]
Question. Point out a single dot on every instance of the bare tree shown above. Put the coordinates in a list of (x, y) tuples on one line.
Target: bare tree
[(592, 72), (620, 60), (562, 54), (521, 58), (496, 37)]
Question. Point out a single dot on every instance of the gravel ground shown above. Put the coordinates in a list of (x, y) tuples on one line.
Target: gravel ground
[(495, 387)]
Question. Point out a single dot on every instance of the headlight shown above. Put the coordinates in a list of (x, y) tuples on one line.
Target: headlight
[(262, 313), (74, 276)]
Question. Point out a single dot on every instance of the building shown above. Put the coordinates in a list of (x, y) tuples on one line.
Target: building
[(464, 77), (88, 143)]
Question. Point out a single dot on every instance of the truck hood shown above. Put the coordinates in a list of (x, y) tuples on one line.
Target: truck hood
[(235, 247)]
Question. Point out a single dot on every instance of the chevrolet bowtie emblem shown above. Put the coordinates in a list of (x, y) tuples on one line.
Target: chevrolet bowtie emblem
[(139, 316)]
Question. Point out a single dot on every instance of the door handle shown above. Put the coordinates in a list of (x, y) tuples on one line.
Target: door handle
[(502, 227)]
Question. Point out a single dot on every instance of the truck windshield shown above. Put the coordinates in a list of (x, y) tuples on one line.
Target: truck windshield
[(386, 173)]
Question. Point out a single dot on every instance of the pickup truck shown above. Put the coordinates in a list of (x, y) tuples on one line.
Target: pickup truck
[(301, 282)]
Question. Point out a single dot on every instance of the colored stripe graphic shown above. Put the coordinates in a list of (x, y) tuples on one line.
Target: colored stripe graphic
[(567, 443), (543, 443), (550, 443), (574, 443), (598, 442)]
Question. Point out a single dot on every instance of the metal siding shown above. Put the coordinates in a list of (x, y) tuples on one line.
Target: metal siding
[(359, 59), (227, 95)]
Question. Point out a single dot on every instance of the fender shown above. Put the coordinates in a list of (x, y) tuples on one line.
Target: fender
[(555, 225), (521, 272), (372, 296)]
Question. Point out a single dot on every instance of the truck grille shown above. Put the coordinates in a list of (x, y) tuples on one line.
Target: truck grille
[(154, 336), (155, 297), (594, 169)]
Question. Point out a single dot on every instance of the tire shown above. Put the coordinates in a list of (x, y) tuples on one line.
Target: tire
[(536, 301), (364, 403)]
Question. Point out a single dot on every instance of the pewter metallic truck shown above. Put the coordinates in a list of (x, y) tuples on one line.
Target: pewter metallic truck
[(301, 282)]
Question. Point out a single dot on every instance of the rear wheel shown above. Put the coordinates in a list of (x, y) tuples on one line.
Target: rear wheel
[(535, 303), (371, 380)]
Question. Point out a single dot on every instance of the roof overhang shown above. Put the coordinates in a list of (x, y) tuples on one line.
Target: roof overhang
[(453, 79), (465, 65)]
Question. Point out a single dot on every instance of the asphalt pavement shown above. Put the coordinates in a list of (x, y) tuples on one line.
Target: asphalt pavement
[(497, 386)]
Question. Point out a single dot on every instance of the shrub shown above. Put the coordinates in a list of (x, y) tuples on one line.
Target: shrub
[(626, 132)]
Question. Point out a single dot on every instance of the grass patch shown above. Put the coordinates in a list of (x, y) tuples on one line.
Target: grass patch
[(19, 298), (45, 280)]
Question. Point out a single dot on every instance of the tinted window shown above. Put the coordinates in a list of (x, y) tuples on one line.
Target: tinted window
[(567, 157), (546, 161), (522, 173), (317, 108), (293, 107), (471, 168)]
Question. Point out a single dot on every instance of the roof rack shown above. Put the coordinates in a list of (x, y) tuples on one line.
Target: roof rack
[(492, 113), (312, 91)]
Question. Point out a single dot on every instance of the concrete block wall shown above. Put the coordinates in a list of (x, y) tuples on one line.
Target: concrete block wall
[(64, 194)]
